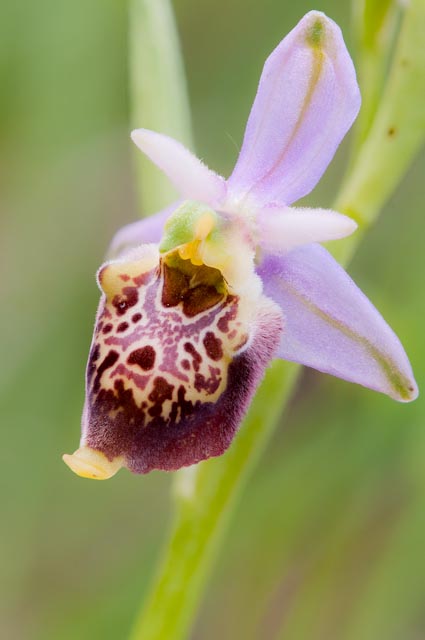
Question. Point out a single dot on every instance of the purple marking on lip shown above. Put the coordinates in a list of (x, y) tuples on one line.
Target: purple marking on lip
[(122, 371)]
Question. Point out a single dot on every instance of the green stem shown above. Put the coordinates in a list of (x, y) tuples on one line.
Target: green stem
[(158, 92), (204, 497), (375, 24), (206, 494), (397, 133)]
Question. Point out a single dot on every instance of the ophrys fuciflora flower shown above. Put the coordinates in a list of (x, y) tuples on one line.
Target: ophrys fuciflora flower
[(202, 296)]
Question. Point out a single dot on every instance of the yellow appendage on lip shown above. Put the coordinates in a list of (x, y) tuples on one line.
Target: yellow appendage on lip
[(204, 237), (192, 250), (89, 463)]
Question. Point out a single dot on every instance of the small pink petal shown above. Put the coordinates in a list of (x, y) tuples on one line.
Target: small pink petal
[(282, 229), (189, 175)]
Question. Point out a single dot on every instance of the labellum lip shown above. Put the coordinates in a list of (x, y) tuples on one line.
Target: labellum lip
[(171, 389)]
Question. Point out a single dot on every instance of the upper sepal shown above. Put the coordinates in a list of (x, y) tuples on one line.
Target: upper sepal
[(307, 99)]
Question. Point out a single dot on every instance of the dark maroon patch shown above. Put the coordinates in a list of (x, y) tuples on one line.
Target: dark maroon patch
[(93, 358), (195, 299), (142, 278), (186, 364), (176, 285), (108, 362), (144, 357), (136, 317), (161, 392), (122, 327), (200, 299), (197, 359), (107, 328), (182, 408), (223, 323), (213, 346), (127, 299), (125, 277), (94, 354), (210, 385)]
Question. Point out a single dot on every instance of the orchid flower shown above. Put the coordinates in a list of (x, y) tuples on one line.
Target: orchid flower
[(199, 298)]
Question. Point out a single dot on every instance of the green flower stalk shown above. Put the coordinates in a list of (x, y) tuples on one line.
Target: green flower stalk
[(158, 90), (375, 26)]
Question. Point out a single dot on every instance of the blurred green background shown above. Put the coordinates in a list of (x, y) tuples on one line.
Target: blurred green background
[(327, 542)]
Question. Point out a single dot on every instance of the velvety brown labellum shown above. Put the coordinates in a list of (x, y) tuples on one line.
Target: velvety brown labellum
[(174, 362)]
